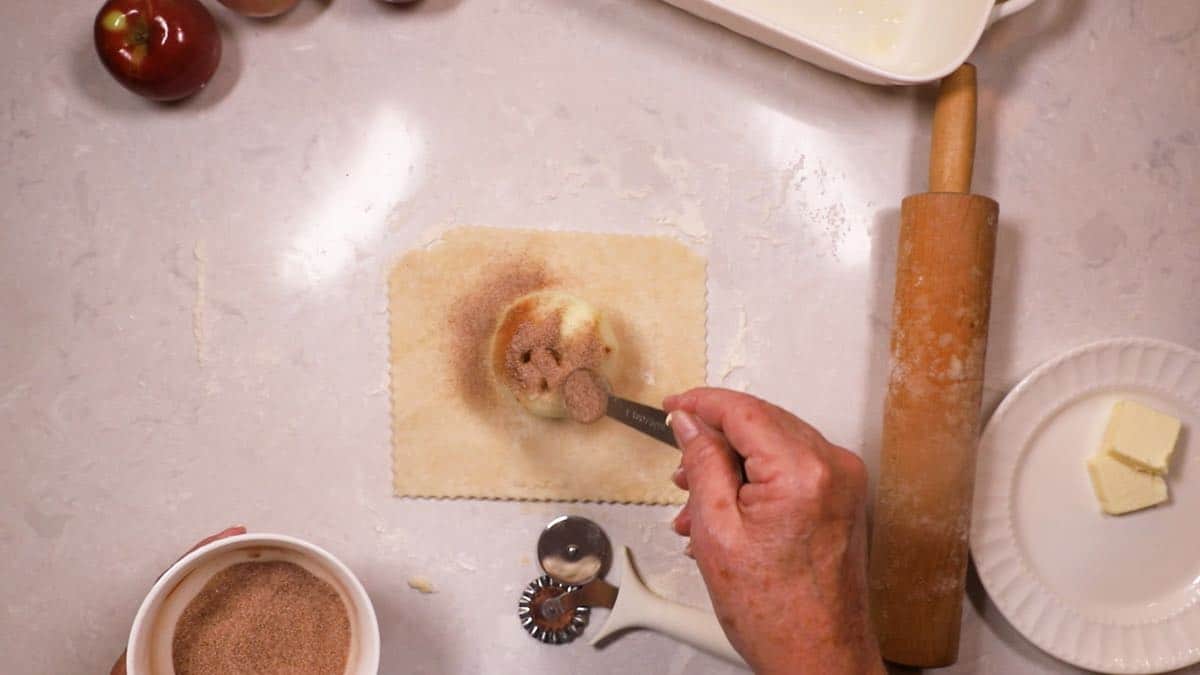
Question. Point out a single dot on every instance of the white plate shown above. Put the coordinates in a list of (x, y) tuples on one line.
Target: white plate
[(1118, 594)]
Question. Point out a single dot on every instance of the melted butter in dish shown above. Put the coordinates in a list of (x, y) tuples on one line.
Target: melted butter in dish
[(865, 29)]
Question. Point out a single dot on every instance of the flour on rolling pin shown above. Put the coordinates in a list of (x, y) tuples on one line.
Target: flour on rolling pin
[(931, 412)]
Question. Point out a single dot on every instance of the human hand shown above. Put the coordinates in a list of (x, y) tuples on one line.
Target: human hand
[(119, 667), (784, 554)]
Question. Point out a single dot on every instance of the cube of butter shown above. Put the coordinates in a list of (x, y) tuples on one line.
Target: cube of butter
[(1122, 488), (1141, 436)]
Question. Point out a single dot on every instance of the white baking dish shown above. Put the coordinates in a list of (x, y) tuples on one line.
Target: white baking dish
[(875, 41)]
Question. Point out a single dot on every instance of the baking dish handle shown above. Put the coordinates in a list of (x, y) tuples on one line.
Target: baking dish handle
[(1006, 8)]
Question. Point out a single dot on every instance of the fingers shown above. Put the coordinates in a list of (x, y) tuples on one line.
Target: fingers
[(712, 473), (725, 410), (230, 531), (227, 532), (759, 431), (683, 522), (679, 478), (234, 530)]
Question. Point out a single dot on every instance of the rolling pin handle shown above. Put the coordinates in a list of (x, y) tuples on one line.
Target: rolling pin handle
[(952, 151)]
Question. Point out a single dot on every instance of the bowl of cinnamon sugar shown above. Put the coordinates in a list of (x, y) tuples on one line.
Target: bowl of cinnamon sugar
[(255, 603)]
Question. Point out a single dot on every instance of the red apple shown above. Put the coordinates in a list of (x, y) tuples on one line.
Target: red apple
[(161, 49), (260, 9)]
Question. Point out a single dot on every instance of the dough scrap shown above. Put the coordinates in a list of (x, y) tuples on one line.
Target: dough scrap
[(457, 432), (421, 585)]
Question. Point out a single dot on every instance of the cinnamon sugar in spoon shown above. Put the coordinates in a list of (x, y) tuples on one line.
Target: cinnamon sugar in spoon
[(588, 397)]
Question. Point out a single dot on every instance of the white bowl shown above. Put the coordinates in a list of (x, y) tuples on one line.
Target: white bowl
[(153, 629), (875, 41)]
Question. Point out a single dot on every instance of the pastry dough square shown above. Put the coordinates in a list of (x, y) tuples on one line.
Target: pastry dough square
[(456, 432)]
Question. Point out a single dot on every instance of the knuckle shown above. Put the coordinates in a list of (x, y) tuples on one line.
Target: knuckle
[(856, 469), (812, 480), (750, 412), (715, 542), (701, 450), (820, 476), (808, 441)]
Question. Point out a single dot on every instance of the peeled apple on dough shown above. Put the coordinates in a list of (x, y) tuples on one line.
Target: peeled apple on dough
[(541, 338)]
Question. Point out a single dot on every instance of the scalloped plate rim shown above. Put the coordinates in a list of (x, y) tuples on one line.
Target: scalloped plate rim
[(984, 540)]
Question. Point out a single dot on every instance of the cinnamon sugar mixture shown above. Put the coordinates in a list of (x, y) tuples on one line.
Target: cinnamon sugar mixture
[(586, 396), (263, 618), (531, 354), (474, 318)]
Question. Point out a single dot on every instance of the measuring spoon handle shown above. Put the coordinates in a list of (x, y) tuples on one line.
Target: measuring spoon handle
[(646, 419)]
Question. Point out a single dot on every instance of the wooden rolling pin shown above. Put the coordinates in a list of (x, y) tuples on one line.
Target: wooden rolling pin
[(931, 414)]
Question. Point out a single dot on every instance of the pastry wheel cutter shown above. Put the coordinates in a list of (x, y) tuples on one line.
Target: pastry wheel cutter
[(575, 554)]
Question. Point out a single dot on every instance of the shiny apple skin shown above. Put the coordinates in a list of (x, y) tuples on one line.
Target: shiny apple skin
[(164, 50), (260, 9)]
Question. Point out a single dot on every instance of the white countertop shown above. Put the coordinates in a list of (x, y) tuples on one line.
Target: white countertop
[(192, 303)]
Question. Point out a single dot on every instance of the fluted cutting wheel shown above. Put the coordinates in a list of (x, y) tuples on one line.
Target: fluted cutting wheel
[(560, 630)]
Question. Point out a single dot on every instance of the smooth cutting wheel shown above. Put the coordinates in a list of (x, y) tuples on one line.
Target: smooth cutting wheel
[(574, 550)]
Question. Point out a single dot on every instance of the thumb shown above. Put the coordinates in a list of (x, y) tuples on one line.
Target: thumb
[(711, 470)]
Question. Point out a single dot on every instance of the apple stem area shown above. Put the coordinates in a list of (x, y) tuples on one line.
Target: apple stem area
[(114, 21), (136, 31)]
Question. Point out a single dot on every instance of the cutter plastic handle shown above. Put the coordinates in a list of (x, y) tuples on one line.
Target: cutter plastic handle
[(1003, 10), (639, 607)]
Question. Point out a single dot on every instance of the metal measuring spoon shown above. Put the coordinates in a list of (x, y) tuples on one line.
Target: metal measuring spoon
[(588, 397)]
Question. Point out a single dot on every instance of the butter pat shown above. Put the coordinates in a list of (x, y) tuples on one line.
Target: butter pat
[(1140, 436), (1122, 488)]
